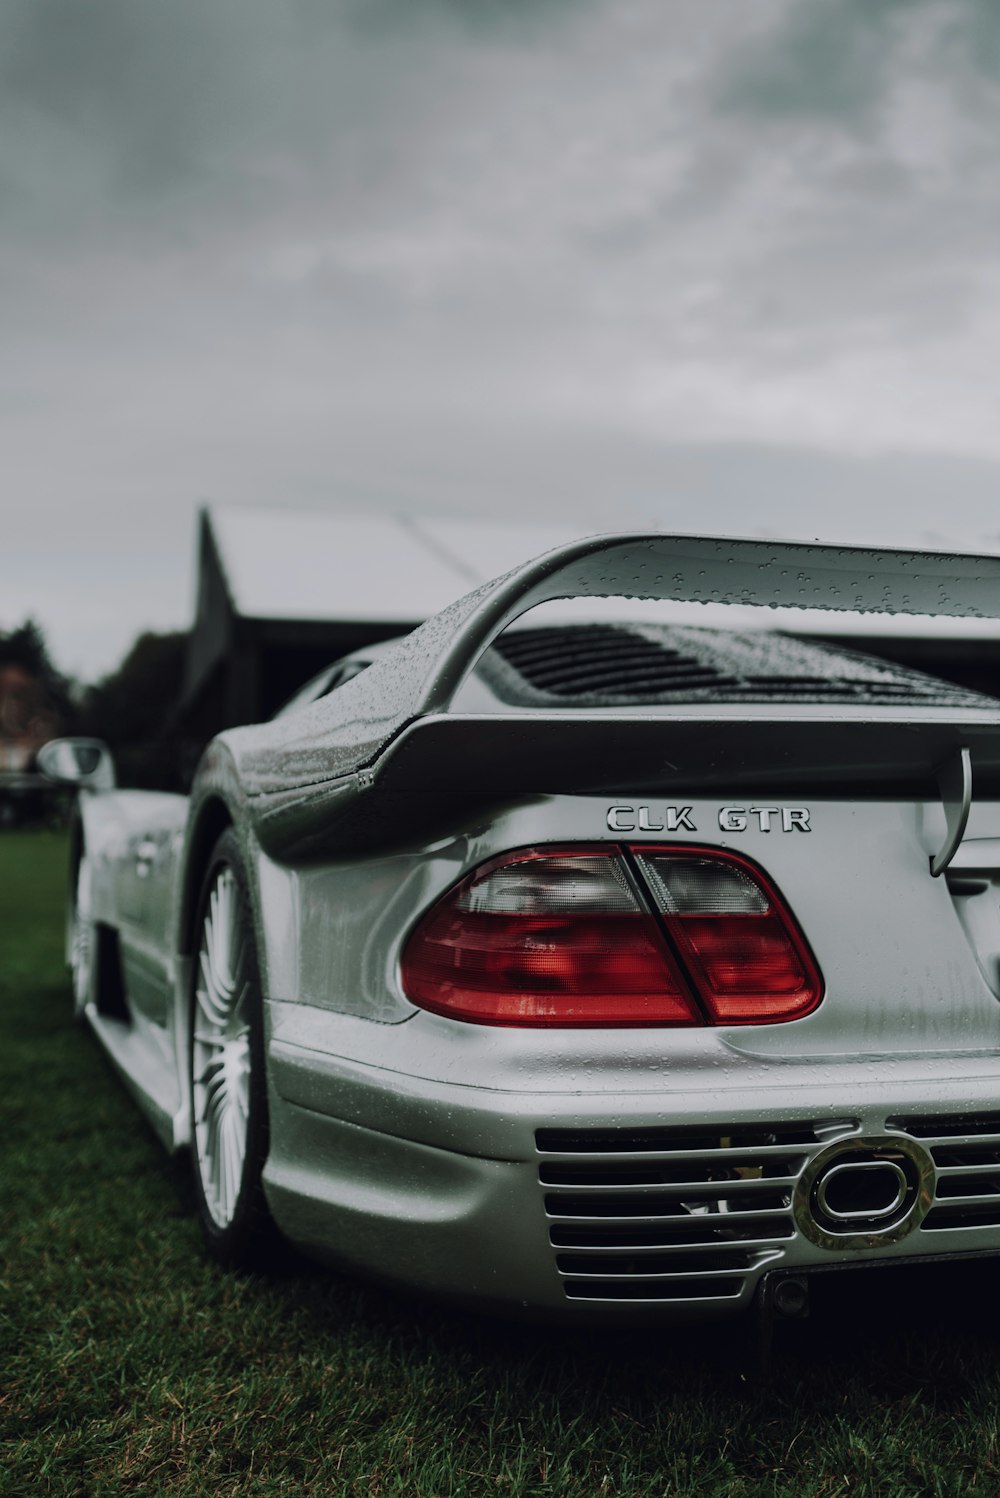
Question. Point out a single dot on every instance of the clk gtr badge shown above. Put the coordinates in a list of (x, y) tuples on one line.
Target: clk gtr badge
[(628, 818)]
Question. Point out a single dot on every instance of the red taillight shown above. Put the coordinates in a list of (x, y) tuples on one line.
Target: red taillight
[(546, 937), (561, 937), (735, 937)]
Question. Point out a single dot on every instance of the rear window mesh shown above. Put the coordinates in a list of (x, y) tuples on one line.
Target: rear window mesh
[(617, 663)]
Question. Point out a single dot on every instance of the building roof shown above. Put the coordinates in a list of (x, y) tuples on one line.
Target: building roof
[(301, 565), (306, 565)]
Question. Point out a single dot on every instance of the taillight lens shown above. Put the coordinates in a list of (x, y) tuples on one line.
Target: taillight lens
[(560, 937), (735, 937), (546, 937)]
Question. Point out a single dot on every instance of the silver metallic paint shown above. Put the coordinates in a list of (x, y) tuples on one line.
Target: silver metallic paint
[(404, 1143)]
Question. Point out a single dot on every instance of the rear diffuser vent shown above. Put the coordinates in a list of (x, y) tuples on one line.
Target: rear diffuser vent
[(696, 1213), (665, 1214), (965, 1149)]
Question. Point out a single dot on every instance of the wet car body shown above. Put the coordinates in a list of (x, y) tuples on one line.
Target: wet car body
[(655, 1156)]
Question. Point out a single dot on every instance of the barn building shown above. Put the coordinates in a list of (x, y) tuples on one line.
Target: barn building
[(282, 593)]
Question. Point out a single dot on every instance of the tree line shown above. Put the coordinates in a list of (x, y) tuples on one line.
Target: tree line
[(132, 708)]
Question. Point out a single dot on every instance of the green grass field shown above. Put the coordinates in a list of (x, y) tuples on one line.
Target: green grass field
[(128, 1363)]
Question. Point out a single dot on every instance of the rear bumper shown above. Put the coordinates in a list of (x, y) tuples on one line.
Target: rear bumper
[(591, 1205)]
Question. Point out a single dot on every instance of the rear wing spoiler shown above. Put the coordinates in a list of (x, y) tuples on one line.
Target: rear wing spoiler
[(369, 731)]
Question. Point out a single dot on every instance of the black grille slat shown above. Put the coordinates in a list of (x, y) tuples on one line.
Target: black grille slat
[(967, 1157), (959, 1185), (663, 1140), (650, 1205), (948, 1126), (969, 1215), (667, 1266), (709, 1231), (641, 1289), (670, 1173)]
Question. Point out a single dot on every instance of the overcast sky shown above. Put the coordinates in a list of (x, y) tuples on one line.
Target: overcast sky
[(727, 266)]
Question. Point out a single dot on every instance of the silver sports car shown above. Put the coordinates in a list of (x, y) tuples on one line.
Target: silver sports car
[(607, 970)]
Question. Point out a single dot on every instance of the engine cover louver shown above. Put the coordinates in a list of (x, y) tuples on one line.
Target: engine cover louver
[(616, 664)]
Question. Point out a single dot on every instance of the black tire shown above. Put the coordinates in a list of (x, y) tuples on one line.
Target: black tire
[(226, 1067)]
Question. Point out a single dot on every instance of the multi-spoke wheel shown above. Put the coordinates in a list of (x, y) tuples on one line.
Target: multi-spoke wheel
[(83, 940), (228, 1098)]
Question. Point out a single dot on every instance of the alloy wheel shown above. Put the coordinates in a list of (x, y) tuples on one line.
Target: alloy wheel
[(220, 1049)]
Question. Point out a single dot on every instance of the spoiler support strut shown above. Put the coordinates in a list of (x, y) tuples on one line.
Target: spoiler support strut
[(955, 780)]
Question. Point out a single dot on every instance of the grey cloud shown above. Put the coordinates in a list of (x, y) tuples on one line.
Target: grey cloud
[(133, 103), (845, 152), (827, 58), (835, 61), (489, 19), (149, 102), (132, 89)]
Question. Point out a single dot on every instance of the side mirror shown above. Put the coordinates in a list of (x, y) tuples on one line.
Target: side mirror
[(86, 763)]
